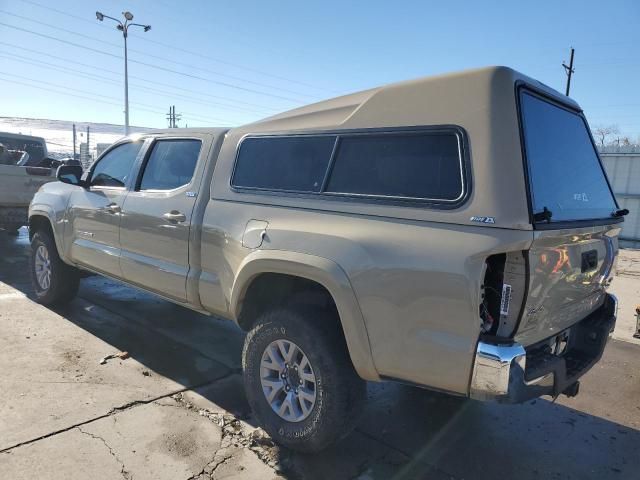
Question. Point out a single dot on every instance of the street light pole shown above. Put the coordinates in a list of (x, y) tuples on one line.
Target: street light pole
[(124, 28), (126, 85)]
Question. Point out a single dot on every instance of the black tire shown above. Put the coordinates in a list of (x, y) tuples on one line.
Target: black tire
[(340, 392), (64, 279)]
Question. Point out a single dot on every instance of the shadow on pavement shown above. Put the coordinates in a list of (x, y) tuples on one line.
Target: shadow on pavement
[(404, 432)]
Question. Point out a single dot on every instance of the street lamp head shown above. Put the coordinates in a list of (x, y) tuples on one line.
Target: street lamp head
[(128, 15), (99, 16), (147, 28)]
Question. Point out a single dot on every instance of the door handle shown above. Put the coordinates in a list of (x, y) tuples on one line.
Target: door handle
[(113, 208), (174, 216)]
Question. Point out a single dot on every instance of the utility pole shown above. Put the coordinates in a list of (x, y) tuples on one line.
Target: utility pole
[(569, 71), (173, 117), (124, 28), (170, 117), (74, 141)]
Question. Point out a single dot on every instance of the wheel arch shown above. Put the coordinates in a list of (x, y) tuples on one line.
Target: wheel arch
[(322, 272), (40, 219)]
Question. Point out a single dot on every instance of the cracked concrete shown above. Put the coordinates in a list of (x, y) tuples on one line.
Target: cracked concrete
[(125, 473), (65, 416)]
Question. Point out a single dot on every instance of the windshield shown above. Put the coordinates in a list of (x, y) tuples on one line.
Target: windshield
[(565, 174)]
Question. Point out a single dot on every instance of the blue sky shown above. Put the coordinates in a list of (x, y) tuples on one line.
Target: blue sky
[(234, 62)]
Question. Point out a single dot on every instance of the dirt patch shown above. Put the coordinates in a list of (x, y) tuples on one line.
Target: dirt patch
[(180, 444), (70, 362)]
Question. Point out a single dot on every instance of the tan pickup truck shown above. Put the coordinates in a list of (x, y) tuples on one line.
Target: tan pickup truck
[(456, 233)]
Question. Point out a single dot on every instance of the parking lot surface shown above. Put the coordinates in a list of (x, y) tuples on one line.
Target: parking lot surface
[(173, 406)]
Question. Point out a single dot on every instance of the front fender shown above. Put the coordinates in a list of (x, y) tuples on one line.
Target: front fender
[(51, 203), (328, 274)]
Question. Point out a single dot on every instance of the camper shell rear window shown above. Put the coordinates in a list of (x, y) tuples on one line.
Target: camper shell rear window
[(567, 181)]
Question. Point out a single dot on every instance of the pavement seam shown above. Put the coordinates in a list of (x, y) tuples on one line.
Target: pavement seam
[(113, 411), (125, 474)]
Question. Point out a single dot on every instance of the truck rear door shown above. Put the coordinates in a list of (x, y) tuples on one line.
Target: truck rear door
[(575, 216)]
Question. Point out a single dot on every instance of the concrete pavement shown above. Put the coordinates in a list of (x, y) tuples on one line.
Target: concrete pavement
[(175, 408), (626, 286)]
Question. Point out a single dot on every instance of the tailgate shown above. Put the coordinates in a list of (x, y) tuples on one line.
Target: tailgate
[(568, 270), (19, 184)]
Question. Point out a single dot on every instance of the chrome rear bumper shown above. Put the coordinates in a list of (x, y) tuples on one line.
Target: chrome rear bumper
[(512, 373)]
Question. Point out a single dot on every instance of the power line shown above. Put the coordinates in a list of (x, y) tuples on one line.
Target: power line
[(89, 37), (150, 65), (72, 71), (119, 74), (90, 95), (191, 52), (194, 115)]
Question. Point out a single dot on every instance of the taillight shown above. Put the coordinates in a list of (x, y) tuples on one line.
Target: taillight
[(503, 293)]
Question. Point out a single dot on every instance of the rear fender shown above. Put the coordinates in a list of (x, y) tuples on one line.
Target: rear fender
[(328, 274)]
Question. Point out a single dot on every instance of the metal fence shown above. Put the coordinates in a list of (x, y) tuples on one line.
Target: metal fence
[(623, 169)]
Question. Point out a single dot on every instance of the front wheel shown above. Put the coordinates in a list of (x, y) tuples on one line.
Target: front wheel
[(54, 281), (299, 378)]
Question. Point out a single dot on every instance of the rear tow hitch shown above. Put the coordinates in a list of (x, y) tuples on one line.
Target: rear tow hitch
[(572, 390)]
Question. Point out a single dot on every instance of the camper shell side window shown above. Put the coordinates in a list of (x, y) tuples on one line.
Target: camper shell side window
[(424, 166)]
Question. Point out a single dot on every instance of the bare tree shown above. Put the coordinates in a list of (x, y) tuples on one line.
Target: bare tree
[(603, 132)]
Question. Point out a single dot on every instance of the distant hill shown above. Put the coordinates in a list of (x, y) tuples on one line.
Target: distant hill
[(59, 133)]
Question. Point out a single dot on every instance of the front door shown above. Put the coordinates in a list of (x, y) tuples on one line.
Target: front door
[(156, 217), (94, 212)]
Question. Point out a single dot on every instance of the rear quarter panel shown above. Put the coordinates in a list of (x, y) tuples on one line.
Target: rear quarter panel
[(417, 283)]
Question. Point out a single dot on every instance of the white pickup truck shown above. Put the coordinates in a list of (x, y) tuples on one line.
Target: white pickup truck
[(24, 168)]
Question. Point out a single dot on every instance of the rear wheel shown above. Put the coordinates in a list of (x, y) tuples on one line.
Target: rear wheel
[(299, 378), (54, 281)]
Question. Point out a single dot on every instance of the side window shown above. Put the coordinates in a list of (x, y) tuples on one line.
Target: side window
[(417, 166), (295, 164), (113, 169), (170, 165)]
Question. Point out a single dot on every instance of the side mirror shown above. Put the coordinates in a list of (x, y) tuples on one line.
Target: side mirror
[(71, 174)]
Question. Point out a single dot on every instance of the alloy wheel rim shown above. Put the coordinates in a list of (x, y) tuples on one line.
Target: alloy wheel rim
[(288, 381), (43, 267)]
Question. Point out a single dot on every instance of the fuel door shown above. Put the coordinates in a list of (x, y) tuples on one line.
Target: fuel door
[(254, 233)]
